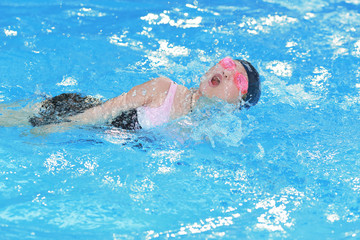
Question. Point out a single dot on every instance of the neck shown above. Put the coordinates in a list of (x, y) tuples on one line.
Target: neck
[(195, 95)]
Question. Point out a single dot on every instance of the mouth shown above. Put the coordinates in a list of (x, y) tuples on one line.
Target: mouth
[(215, 80)]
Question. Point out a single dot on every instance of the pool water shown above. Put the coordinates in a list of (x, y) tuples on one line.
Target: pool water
[(288, 168)]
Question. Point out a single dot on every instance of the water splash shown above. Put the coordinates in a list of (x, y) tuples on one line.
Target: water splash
[(217, 122)]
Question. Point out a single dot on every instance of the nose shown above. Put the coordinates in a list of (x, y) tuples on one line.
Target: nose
[(228, 73)]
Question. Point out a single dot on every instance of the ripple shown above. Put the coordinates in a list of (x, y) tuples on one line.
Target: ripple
[(301, 5), (86, 12), (255, 26)]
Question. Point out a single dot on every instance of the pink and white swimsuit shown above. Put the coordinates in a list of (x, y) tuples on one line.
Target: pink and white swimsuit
[(150, 117)]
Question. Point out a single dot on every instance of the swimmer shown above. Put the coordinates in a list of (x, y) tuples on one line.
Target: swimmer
[(152, 103)]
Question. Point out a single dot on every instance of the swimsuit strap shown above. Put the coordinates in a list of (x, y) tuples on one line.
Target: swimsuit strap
[(169, 100), (150, 117)]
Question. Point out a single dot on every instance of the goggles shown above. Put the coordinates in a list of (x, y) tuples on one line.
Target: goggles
[(240, 80)]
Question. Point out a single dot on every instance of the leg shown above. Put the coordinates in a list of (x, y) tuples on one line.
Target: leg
[(15, 114)]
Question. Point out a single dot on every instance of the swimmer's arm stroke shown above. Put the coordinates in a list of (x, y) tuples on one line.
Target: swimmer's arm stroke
[(138, 96)]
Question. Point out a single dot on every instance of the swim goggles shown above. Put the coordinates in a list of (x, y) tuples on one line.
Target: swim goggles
[(240, 80)]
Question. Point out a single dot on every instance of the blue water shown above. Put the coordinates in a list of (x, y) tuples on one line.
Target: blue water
[(287, 168)]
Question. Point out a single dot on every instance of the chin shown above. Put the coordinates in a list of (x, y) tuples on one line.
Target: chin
[(202, 87)]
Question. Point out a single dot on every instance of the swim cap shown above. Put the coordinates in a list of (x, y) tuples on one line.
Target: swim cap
[(254, 90)]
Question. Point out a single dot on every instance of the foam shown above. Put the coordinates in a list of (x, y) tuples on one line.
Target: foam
[(164, 18), (356, 51), (160, 56), (67, 81), (282, 69), (265, 24), (86, 12), (10, 33), (278, 209), (356, 2), (123, 41)]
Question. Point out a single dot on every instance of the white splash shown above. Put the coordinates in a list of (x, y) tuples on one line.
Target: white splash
[(321, 77), (203, 225), (352, 99), (332, 217), (67, 81), (356, 2), (356, 51), (119, 40), (168, 155), (278, 209), (276, 19), (56, 162), (291, 44), (123, 41), (10, 33), (340, 52), (146, 32), (164, 18), (282, 69), (156, 60), (274, 218), (191, 6), (86, 12), (265, 24), (337, 40), (150, 18), (164, 170), (309, 15), (170, 49), (160, 56), (140, 188)]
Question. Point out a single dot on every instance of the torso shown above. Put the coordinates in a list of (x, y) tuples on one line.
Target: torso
[(150, 114), (182, 102)]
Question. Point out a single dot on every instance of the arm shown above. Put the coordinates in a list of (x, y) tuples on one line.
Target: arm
[(138, 96), (147, 93)]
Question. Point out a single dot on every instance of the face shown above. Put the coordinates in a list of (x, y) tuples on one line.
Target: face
[(226, 80)]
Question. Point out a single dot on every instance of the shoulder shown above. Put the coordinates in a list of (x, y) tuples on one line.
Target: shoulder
[(149, 92), (160, 84), (162, 80)]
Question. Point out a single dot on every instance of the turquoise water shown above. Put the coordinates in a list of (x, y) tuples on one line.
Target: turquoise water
[(287, 168)]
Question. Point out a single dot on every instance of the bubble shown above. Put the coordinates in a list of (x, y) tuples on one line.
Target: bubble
[(134, 93), (144, 92)]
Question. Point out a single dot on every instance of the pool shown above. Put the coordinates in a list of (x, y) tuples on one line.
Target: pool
[(287, 168)]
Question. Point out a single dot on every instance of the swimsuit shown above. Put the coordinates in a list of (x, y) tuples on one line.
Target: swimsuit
[(147, 117), (150, 117), (127, 120)]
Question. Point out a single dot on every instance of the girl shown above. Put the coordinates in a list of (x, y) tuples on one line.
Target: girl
[(152, 103)]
